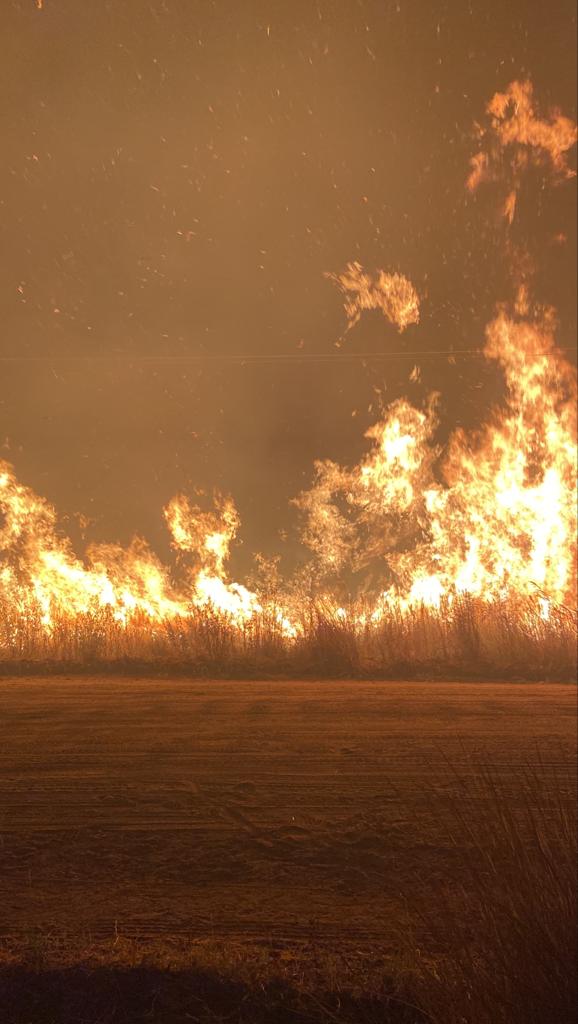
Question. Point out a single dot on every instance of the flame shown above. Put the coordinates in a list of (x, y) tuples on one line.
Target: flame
[(492, 515), (515, 137), (497, 515), (40, 563), (393, 294)]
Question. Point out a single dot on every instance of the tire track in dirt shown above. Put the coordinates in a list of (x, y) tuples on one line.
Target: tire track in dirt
[(244, 809)]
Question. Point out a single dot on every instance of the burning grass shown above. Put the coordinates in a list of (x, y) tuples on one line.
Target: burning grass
[(456, 540), (467, 638)]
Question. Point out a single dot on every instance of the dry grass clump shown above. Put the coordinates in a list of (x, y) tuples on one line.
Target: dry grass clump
[(48, 979), (502, 947), (135, 995), (467, 638), (471, 638)]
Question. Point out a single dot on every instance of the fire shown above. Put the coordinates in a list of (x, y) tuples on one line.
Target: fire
[(393, 294), (517, 137), (40, 563), (495, 516), (492, 516)]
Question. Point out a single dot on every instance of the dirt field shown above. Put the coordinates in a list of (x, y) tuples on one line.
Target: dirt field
[(274, 811)]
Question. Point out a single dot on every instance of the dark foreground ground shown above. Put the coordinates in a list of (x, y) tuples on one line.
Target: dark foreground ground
[(142, 819)]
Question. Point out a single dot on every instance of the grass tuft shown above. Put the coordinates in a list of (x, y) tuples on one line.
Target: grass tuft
[(502, 946)]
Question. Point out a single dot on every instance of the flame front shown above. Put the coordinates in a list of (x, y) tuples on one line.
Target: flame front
[(495, 517), (492, 516)]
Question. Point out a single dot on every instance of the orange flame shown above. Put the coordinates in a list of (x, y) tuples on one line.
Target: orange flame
[(494, 516), (516, 131), (503, 517), (393, 294)]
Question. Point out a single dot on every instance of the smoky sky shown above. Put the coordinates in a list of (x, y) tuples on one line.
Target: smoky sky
[(176, 179)]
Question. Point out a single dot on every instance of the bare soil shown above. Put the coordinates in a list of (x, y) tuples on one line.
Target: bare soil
[(277, 813)]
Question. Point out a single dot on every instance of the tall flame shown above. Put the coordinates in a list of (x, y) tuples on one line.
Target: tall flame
[(497, 515), (516, 137), (492, 516)]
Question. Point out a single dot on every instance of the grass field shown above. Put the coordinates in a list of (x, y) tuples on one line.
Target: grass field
[(292, 830)]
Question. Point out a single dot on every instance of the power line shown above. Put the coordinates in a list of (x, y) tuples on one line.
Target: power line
[(271, 357)]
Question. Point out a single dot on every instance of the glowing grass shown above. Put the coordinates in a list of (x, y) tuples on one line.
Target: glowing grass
[(469, 639)]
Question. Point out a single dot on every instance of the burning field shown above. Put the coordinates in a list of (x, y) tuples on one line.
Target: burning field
[(308, 752), (423, 559)]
